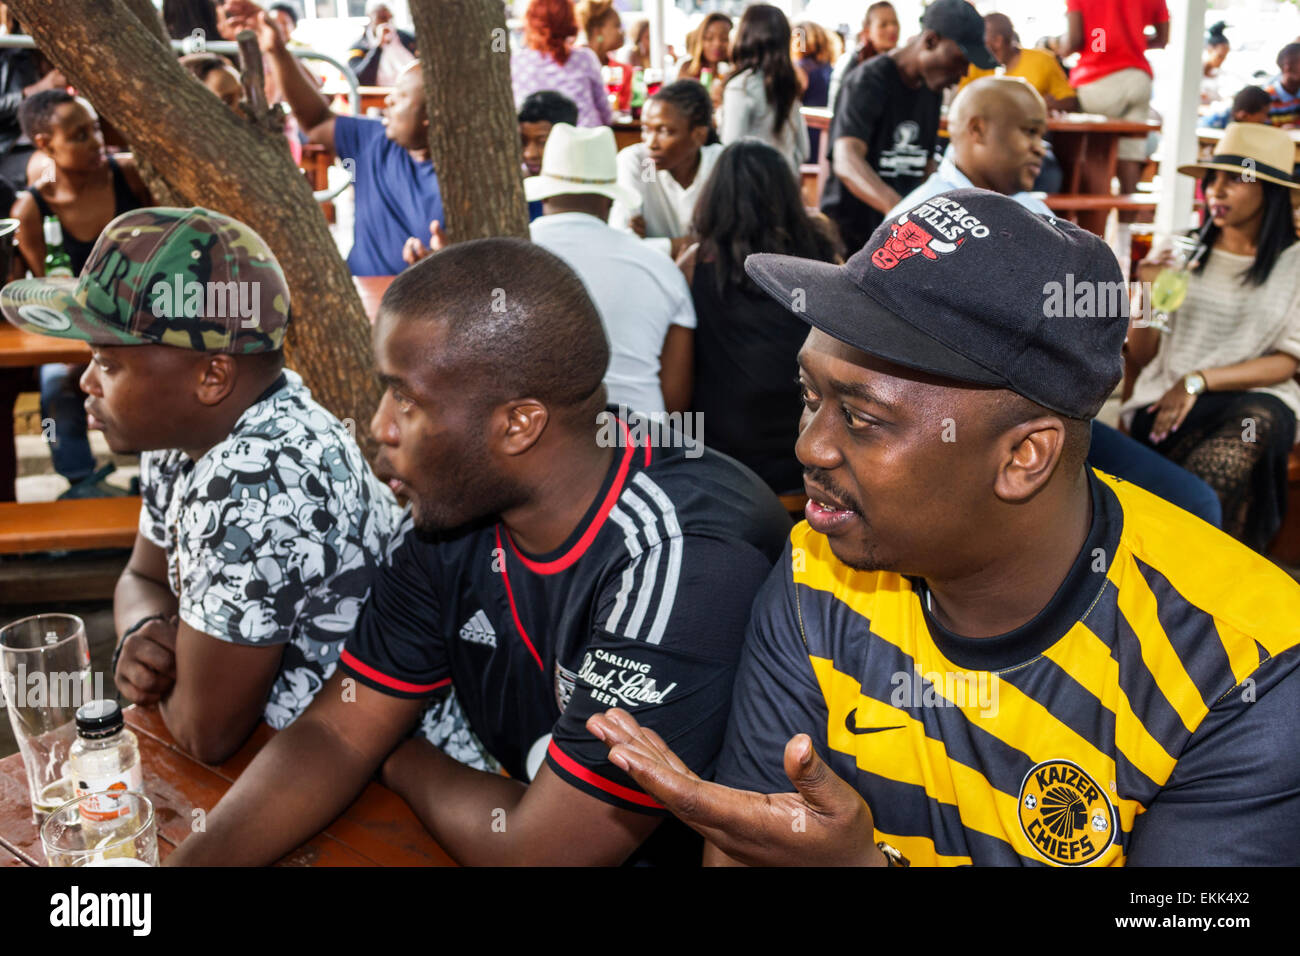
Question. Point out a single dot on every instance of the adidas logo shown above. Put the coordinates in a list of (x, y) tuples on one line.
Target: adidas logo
[(478, 630)]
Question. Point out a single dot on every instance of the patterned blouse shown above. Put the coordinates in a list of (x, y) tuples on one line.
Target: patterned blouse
[(578, 79)]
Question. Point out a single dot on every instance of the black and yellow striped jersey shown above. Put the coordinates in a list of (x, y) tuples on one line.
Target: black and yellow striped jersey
[(1147, 715)]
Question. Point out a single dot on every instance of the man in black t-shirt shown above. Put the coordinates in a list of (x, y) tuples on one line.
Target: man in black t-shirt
[(558, 559), (887, 118)]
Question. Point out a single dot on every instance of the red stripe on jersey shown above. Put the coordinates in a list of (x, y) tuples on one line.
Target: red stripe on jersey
[(582, 773), (588, 536), (361, 667), (510, 596)]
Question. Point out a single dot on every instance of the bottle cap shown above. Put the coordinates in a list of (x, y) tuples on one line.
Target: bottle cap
[(98, 719)]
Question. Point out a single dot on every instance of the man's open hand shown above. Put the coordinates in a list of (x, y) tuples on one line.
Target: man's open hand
[(413, 250), (824, 823), (146, 669)]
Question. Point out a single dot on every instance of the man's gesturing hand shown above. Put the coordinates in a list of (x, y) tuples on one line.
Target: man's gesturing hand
[(824, 823), (146, 669)]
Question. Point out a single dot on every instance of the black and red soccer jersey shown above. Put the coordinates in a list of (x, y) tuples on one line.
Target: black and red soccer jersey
[(644, 607)]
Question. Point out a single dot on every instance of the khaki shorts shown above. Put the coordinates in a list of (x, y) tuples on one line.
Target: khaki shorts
[(1126, 95)]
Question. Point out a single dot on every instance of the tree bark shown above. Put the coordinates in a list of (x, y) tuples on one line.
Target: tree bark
[(473, 131), (162, 192), (220, 159)]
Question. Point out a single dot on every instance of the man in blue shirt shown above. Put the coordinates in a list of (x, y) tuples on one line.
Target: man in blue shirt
[(396, 190), (995, 127)]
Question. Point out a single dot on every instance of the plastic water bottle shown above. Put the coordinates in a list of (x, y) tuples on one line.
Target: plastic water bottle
[(105, 757)]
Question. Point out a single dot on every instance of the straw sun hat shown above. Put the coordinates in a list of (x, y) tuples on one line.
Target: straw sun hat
[(1265, 151)]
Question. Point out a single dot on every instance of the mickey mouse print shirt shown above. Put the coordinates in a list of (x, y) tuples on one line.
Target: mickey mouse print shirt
[(272, 536)]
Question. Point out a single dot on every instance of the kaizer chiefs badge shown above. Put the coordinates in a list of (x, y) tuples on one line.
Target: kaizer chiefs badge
[(1065, 815)]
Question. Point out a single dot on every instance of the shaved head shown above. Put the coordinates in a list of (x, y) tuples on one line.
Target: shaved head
[(517, 321), (493, 360), (999, 24), (996, 125), (990, 97)]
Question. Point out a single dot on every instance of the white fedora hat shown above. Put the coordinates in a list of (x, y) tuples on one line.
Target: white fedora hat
[(579, 160)]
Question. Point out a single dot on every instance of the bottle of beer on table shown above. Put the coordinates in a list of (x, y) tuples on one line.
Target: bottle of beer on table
[(57, 260), (638, 92)]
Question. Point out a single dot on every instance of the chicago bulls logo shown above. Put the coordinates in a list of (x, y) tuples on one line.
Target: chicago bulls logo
[(906, 239), (937, 227)]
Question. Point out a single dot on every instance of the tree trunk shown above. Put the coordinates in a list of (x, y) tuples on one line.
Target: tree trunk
[(223, 160), (159, 188), (473, 131)]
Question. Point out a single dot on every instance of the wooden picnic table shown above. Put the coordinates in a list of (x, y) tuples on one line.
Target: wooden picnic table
[(372, 97), (1086, 146), (372, 289), (378, 829), (19, 349)]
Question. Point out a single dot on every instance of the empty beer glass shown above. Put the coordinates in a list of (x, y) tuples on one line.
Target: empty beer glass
[(71, 839), (45, 673)]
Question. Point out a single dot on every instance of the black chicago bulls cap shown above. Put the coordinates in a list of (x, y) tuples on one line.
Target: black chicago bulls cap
[(970, 285)]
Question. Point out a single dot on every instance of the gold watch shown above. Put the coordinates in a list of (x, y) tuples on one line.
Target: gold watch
[(1194, 383)]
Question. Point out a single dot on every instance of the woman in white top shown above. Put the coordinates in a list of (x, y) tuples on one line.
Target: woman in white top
[(1217, 395), (667, 170), (761, 98)]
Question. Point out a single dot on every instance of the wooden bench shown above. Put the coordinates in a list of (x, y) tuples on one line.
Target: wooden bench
[(72, 525), (20, 349), (1084, 202)]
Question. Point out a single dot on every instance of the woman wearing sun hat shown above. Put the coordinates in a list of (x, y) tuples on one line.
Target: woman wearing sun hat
[(1217, 394)]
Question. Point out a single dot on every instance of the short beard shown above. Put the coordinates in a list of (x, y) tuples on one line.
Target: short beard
[(481, 493), (869, 561)]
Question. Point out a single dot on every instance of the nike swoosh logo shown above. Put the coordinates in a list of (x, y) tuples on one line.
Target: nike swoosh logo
[(851, 725)]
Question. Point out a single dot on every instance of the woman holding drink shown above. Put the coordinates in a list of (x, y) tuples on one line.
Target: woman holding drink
[(1217, 392)]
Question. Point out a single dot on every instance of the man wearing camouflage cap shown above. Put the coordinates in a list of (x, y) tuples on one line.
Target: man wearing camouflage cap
[(261, 521)]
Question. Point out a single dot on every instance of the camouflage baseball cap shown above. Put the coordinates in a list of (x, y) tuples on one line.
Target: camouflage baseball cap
[(189, 278)]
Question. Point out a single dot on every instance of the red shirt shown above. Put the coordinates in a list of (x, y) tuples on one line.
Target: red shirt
[(1113, 36)]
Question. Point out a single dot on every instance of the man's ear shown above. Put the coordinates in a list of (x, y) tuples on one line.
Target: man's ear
[(42, 142), (525, 420), (930, 40), (1028, 456), (217, 377), (978, 127)]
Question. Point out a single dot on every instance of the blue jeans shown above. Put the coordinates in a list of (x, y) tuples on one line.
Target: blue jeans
[(63, 402), (1115, 453)]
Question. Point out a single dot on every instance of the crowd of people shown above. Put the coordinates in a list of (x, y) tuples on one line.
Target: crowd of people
[(566, 587)]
